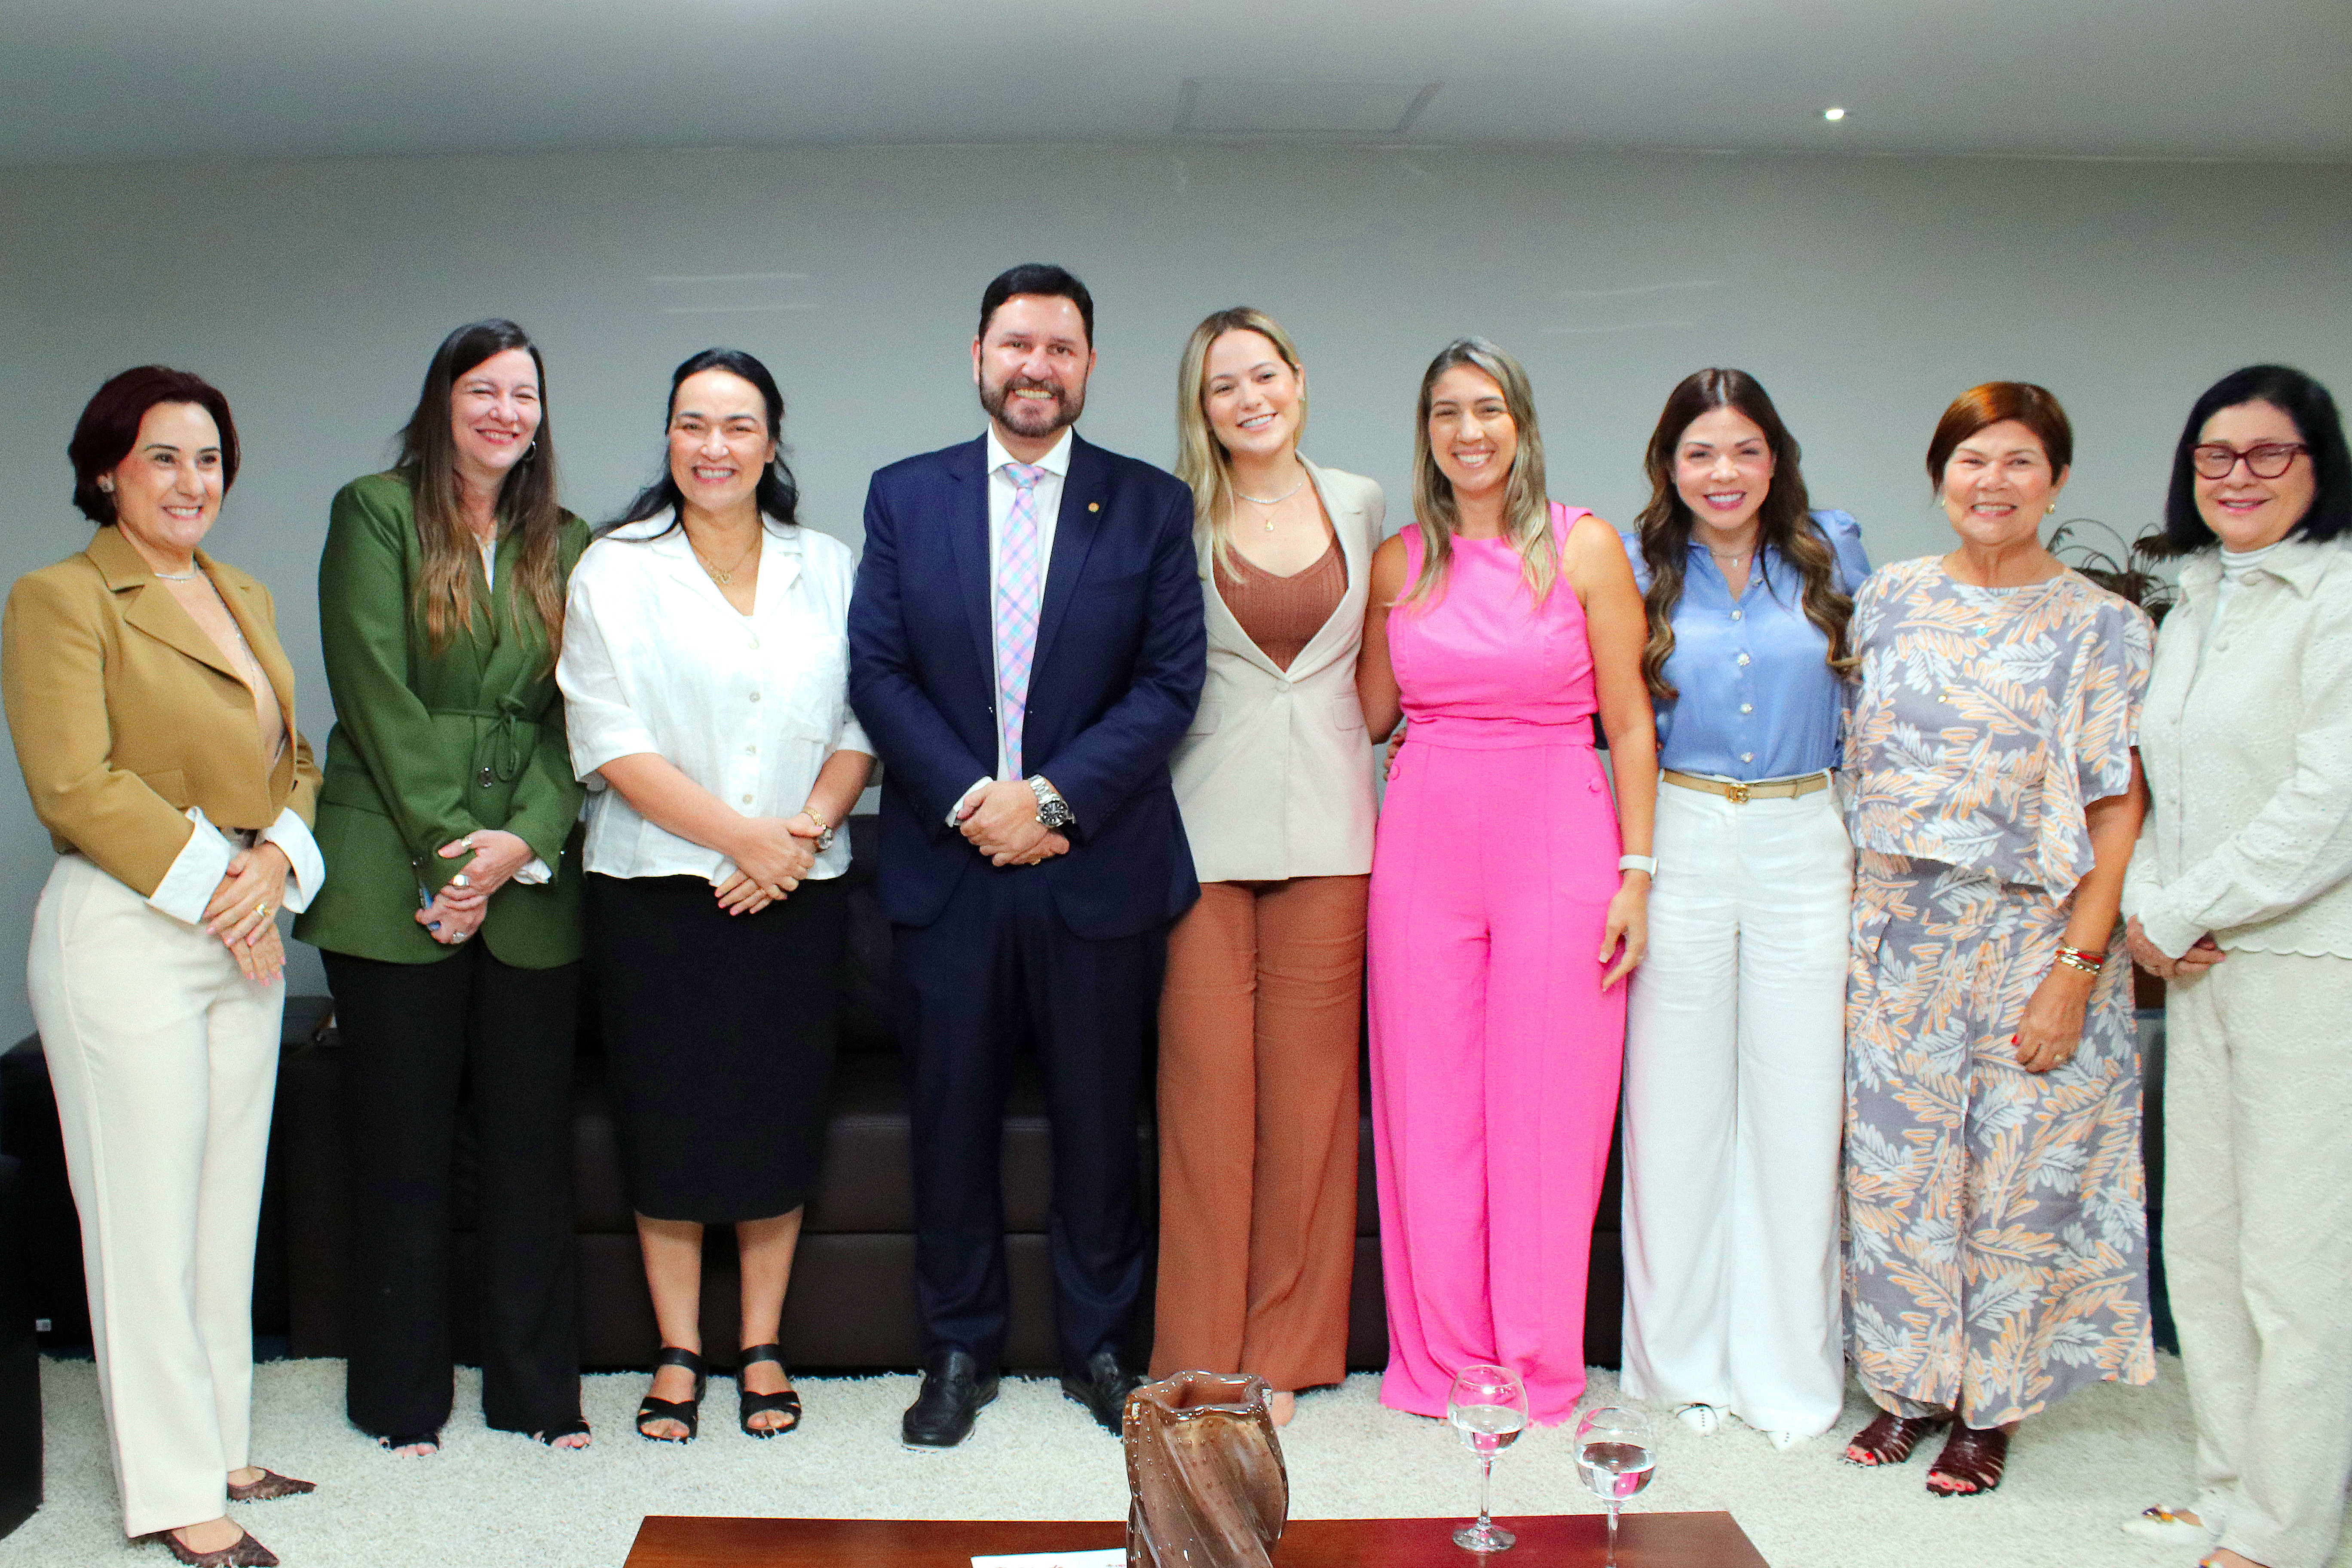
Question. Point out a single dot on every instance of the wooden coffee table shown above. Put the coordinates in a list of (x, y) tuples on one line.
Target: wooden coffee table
[(1558, 1540)]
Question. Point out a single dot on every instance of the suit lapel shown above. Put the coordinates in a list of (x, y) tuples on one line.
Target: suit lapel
[(248, 604), (1348, 523), (1226, 630), (967, 546), (1076, 528), (152, 609)]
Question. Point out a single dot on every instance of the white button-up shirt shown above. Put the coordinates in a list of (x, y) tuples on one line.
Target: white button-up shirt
[(749, 707), (2246, 736)]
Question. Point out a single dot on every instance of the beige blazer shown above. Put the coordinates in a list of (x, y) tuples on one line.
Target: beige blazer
[(1274, 777), (124, 714)]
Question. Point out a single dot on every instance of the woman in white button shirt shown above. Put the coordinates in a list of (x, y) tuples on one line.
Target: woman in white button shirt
[(2241, 897), (705, 674)]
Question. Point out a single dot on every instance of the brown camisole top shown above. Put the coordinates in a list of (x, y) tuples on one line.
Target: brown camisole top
[(1282, 615)]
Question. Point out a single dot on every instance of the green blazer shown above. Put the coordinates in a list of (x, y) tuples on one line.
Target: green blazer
[(426, 749)]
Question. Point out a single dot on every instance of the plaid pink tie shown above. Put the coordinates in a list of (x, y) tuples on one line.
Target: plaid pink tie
[(1020, 582)]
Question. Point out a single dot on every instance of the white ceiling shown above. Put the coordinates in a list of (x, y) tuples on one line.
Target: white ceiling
[(105, 81)]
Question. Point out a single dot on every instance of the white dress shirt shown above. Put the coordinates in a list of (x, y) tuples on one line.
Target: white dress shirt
[(749, 707), (1001, 493)]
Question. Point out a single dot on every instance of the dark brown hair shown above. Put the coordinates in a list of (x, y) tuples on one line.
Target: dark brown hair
[(2030, 405), (108, 428), (443, 589), (1783, 522)]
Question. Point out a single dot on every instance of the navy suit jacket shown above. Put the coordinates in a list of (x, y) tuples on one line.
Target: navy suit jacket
[(1122, 654)]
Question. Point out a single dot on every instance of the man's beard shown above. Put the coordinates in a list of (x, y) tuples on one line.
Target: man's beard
[(1027, 416)]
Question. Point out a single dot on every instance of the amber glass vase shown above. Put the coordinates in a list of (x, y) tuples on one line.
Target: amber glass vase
[(1204, 1470)]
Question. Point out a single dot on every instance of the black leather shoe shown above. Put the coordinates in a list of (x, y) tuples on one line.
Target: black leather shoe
[(1102, 1385), (954, 1388)]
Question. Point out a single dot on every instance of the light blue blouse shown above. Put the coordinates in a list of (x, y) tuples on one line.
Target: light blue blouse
[(1758, 699)]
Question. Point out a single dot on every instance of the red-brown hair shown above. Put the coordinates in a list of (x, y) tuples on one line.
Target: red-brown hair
[(2030, 405), (108, 428)]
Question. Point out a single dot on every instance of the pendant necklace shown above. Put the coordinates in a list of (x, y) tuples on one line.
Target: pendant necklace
[(1271, 501), (722, 578)]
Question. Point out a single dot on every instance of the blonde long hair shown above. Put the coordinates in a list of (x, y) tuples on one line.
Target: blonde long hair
[(1202, 460), (1526, 511)]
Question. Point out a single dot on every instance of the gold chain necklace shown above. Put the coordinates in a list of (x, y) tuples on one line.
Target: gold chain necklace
[(722, 578)]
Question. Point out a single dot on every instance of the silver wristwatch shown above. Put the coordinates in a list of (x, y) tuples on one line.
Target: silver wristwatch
[(1051, 809)]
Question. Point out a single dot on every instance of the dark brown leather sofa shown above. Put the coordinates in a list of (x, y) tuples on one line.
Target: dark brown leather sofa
[(852, 1301)]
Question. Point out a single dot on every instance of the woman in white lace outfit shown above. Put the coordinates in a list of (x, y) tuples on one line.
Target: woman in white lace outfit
[(2239, 897)]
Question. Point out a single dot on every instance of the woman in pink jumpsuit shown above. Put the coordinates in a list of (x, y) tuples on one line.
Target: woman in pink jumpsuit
[(1506, 907)]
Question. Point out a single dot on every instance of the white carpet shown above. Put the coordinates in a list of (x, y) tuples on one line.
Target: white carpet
[(490, 1498)]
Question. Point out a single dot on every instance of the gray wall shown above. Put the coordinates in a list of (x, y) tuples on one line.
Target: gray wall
[(1863, 292)]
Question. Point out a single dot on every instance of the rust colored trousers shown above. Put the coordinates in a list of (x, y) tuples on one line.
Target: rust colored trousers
[(1259, 1022)]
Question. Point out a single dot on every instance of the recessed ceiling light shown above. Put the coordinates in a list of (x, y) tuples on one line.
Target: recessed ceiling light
[(1833, 113)]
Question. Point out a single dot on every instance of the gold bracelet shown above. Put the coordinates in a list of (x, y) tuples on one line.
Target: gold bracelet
[(2073, 958), (810, 812)]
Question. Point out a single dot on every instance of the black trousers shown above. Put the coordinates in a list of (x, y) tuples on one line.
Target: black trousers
[(412, 1033), (996, 968)]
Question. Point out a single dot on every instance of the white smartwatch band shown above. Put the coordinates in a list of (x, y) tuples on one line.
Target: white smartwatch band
[(1645, 863)]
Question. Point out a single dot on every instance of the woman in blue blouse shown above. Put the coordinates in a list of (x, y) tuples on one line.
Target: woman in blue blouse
[(1735, 1035)]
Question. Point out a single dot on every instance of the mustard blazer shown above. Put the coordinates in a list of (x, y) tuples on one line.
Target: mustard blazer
[(429, 746), (124, 714), (1274, 777)]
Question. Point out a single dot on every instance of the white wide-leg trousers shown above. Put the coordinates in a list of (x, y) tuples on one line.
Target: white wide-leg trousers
[(2258, 1244), (164, 1058), (1735, 1102)]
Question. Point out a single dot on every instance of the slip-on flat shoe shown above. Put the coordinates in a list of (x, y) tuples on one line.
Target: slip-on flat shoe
[(1102, 1386), (2161, 1524), (244, 1552), (954, 1389), (268, 1485)]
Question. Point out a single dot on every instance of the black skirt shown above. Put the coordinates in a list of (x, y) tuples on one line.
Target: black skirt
[(719, 1031)]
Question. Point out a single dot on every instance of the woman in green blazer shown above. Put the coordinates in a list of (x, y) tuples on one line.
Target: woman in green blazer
[(452, 935)]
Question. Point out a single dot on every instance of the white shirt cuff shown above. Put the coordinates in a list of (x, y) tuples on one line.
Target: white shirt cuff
[(534, 875), (306, 866), (955, 813), (188, 886)]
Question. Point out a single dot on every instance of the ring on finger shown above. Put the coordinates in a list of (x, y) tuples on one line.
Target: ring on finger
[(262, 909)]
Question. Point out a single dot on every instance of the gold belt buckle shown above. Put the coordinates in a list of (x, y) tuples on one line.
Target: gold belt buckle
[(1737, 790)]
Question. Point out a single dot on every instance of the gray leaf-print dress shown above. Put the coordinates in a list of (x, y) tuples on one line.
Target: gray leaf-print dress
[(1996, 1251)]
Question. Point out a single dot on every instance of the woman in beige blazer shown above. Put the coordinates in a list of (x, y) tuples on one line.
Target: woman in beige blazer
[(153, 711), (1260, 1016)]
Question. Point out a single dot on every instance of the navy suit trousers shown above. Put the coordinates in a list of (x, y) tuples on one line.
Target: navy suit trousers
[(996, 970)]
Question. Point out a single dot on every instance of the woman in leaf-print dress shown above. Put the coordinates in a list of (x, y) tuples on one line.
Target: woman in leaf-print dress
[(1996, 1242)]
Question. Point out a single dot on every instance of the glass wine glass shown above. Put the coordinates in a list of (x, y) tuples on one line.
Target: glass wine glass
[(1489, 1407), (1614, 1459)]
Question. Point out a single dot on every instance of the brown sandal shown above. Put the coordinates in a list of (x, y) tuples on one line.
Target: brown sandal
[(271, 1485), (1974, 1455), (1889, 1438)]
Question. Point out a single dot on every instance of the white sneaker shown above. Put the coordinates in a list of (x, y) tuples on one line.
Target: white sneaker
[(1785, 1440), (2178, 1527), (1703, 1419)]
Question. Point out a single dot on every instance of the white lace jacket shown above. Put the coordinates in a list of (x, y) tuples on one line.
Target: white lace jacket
[(2247, 739)]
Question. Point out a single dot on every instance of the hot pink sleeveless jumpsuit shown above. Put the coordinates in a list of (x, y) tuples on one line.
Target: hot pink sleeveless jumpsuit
[(1495, 1051)]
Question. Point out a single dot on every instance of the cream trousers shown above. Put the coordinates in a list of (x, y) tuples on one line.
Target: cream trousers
[(164, 1058), (2258, 1244), (1735, 1102)]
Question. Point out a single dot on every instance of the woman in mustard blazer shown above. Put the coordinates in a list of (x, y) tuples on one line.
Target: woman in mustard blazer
[(153, 715), (452, 932), (1260, 1013)]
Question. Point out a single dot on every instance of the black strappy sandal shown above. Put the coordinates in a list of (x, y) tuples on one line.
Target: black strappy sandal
[(687, 1413), (788, 1401)]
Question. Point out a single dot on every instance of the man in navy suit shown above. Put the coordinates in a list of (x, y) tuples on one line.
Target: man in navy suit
[(1025, 649)]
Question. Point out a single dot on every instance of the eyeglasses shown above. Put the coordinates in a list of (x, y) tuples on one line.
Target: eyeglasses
[(2267, 462)]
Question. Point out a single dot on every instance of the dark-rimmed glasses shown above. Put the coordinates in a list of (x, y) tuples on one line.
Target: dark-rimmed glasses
[(2267, 460)]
